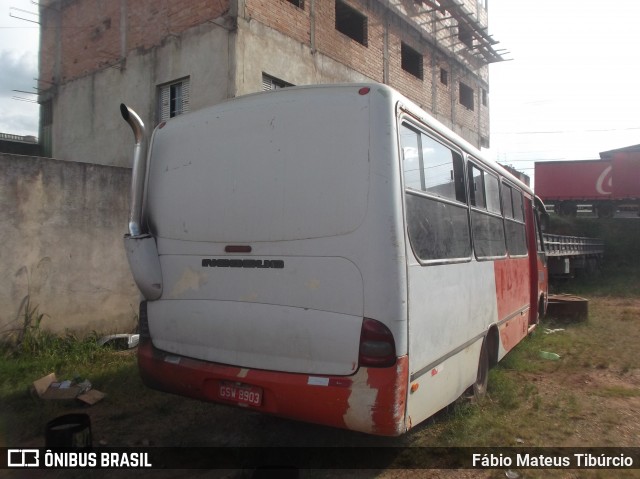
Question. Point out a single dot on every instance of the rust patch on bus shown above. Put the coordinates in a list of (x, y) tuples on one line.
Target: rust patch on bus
[(377, 400), (389, 411), (512, 331), (512, 285)]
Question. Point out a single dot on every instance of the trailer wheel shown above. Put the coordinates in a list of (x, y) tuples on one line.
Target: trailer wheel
[(482, 377), (567, 208), (605, 210)]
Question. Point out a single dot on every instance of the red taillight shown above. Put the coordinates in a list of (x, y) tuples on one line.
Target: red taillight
[(364, 90), (377, 347)]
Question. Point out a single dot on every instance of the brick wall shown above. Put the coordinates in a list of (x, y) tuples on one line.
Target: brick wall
[(283, 16), (89, 38), (443, 92), (368, 59), (49, 46), (87, 35), (149, 22), (416, 89)]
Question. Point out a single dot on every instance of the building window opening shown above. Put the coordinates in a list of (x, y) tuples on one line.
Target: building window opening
[(273, 83), (175, 105), (465, 35), (297, 3), (173, 99), (351, 22), (444, 77), (411, 60), (485, 99), (466, 96)]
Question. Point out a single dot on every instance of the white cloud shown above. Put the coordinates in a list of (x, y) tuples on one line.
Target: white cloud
[(18, 73), (571, 90), (19, 59)]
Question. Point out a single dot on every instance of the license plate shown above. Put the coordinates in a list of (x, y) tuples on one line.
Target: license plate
[(240, 393)]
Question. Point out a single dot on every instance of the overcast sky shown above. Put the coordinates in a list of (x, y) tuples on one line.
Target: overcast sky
[(18, 67), (573, 87), (571, 91)]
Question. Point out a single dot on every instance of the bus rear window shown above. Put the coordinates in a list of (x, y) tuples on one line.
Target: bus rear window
[(271, 168)]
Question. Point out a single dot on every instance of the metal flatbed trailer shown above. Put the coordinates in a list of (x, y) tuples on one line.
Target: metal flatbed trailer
[(568, 255)]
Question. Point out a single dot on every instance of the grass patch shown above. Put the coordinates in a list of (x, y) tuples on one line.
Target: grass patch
[(533, 401), (39, 353)]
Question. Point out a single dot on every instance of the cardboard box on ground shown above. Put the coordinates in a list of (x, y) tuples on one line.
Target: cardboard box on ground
[(48, 387)]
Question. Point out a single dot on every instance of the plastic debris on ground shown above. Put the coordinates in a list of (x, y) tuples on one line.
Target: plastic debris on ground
[(120, 341), (550, 356), (553, 331)]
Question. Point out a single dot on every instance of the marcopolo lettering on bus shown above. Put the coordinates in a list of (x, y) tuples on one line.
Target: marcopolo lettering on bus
[(243, 263)]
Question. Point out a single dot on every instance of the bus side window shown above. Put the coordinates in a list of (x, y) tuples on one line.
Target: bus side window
[(437, 215), (486, 216), (512, 203), (442, 171), (413, 169)]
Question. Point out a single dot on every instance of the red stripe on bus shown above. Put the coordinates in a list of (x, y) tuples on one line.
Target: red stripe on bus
[(335, 401)]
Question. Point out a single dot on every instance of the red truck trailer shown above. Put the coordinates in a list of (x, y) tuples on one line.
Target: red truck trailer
[(604, 184)]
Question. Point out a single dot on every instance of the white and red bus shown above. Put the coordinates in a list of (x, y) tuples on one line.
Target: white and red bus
[(330, 254)]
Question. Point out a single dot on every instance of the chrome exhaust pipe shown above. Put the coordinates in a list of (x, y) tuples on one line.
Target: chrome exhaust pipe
[(138, 170), (141, 248)]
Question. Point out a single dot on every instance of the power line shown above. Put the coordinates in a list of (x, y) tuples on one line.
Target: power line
[(539, 159), (554, 132)]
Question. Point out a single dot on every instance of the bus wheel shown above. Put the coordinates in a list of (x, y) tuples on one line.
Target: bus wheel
[(482, 378)]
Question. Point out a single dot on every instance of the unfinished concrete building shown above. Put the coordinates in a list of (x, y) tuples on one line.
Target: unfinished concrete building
[(168, 57)]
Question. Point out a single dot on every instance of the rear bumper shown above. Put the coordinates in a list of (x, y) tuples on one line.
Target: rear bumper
[(373, 400)]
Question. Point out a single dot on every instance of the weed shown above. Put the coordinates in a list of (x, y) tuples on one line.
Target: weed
[(503, 389), (28, 337)]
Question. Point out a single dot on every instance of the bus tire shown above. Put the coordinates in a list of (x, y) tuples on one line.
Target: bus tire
[(542, 310), (482, 376)]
